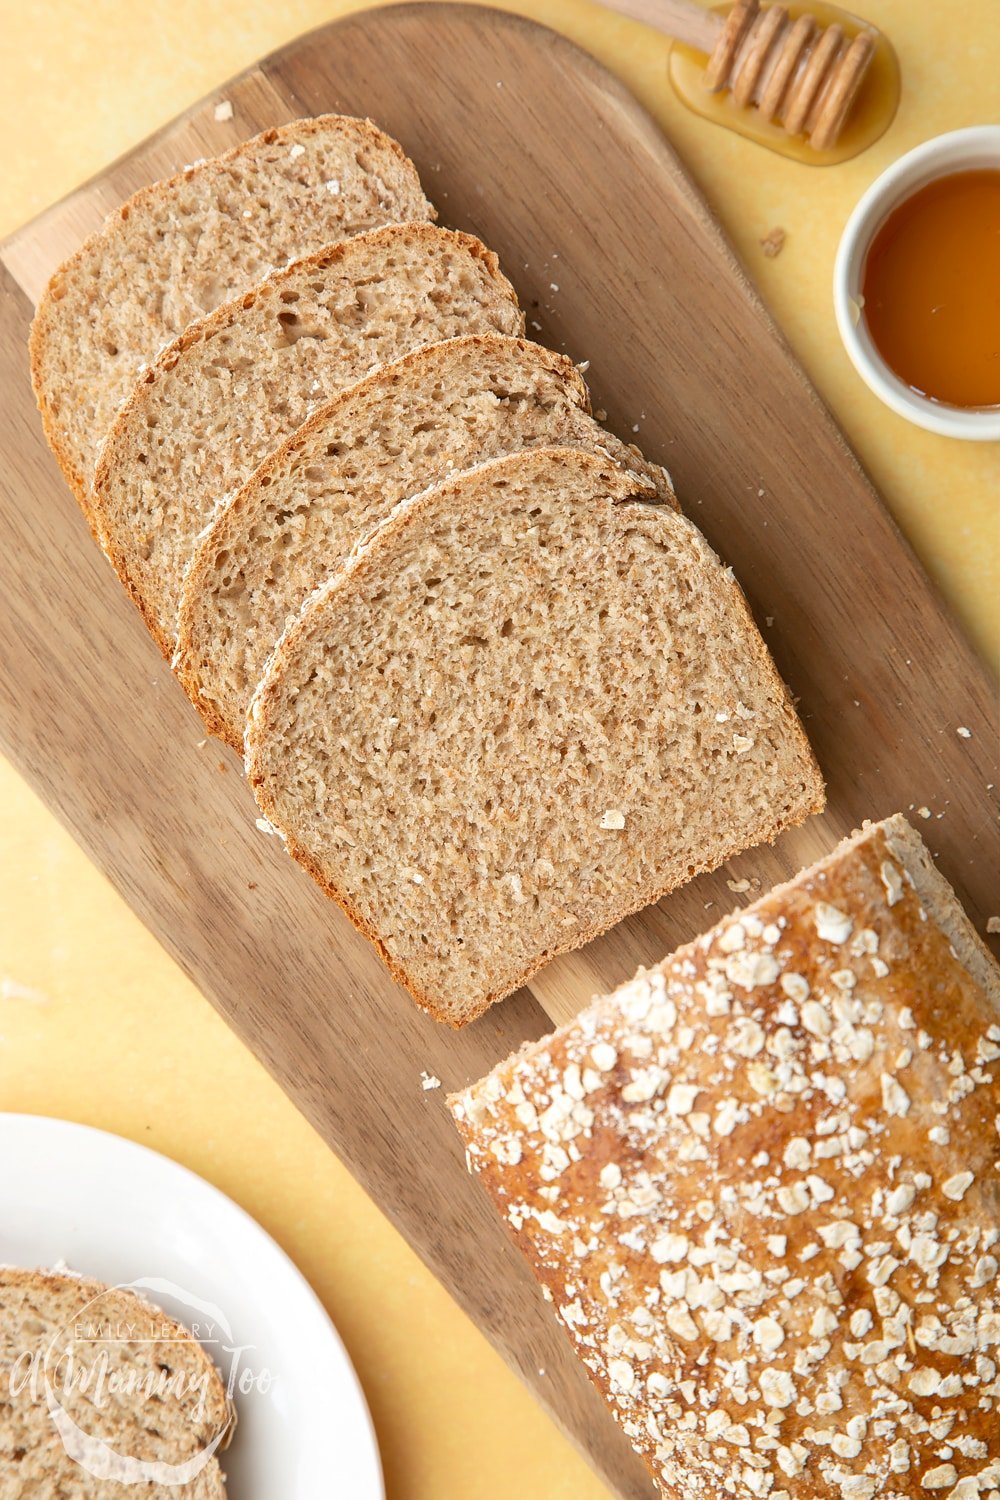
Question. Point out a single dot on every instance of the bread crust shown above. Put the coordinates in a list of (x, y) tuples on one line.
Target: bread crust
[(44, 325), (115, 448), (760, 1185), (585, 934), (624, 487)]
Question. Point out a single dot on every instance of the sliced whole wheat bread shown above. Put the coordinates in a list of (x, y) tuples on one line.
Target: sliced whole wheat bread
[(233, 386), (178, 249), (146, 1394), (440, 409), (532, 702)]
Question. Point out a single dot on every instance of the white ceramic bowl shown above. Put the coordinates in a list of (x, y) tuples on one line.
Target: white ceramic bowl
[(959, 150)]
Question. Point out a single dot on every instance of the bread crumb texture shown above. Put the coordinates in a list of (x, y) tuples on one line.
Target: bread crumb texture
[(180, 248), (233, 386), (129, 1385), (409, 425), (493, 734), (760, 1186)]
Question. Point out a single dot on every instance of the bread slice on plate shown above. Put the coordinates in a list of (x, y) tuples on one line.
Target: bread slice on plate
[(533, 702), (225, 394), (440, 409), (104, 1395), (759, 1185), (179, 248)]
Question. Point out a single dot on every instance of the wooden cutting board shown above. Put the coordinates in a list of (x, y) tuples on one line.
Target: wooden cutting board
[(526, 141)]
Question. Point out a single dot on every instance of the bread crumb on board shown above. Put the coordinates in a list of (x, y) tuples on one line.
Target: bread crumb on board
[(428, 1081), (223, 110), (773, 242), (993, 924), (963, 733)]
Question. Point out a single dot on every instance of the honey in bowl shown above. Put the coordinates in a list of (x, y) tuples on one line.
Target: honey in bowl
[(931, 289)]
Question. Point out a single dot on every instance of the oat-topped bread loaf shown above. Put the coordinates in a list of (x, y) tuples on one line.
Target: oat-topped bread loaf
[(760, 1185), (137, 1406), (225, 394), (532, 702), (178, 249), (440, 409)]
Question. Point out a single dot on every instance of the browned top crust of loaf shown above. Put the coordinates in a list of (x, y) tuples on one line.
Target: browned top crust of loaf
[(92, 333), (148, 1392), (760, 1185)]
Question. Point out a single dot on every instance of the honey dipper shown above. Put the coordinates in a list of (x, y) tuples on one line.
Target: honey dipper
[(796, 73)]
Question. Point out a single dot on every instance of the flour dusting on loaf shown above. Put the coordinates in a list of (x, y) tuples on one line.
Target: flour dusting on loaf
[(760, 1184)]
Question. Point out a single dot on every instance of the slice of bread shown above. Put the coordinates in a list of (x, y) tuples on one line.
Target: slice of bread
[(533, 702), (178, 249), (441, 409), (136, 1403), (224, 395)]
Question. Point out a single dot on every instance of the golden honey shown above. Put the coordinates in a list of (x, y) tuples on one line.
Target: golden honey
[(930, 289), (871, 113)]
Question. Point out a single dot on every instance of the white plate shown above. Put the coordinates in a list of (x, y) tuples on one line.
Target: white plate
[(122, 1213)]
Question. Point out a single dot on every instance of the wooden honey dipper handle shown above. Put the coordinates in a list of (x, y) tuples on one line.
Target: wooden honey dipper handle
[(805, 76)]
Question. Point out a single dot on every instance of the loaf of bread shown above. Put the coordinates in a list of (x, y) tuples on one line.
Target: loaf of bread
[(760, 1186), (221, 397), (179, 248), (103, 1395), (440, 409), (532, 702)]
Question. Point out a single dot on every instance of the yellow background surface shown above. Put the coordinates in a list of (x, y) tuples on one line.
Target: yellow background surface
[(96, 1023)]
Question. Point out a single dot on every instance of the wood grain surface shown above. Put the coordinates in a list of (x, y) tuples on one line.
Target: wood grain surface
[(526, 141)]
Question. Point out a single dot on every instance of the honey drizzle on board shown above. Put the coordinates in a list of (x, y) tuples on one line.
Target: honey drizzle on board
[(931, 289)]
